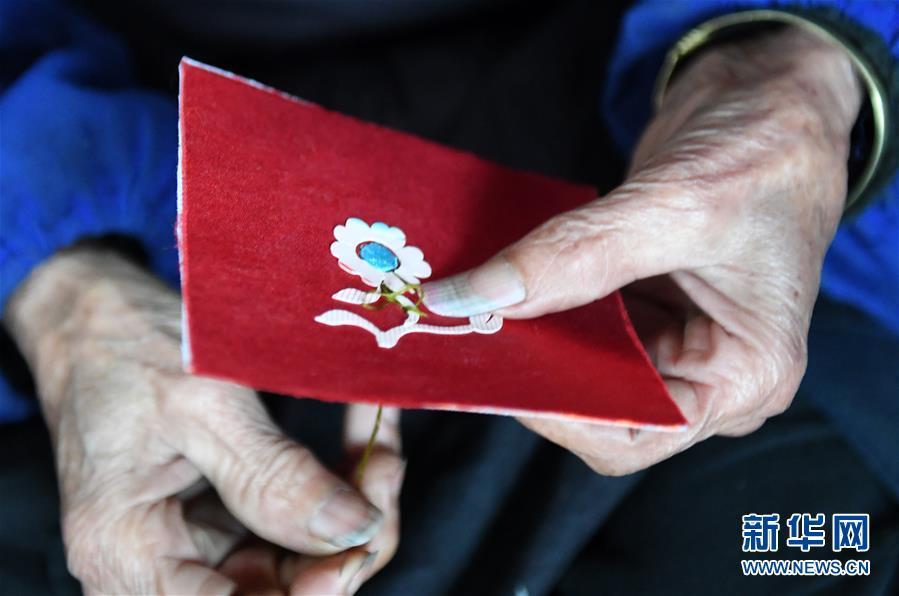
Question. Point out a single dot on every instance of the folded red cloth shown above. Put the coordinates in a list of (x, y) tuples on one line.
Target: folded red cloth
[(264, 180)]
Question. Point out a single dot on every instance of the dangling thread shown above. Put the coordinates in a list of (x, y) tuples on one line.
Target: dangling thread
[(388, 296), (363, 462)]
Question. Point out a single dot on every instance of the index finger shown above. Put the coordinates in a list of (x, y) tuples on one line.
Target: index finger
[(619, 450)]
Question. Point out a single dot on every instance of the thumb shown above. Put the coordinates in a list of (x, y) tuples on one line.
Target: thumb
[(572, 259), (275, 487)]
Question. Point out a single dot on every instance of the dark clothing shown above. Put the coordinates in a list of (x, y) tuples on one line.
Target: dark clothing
[(490, 508)]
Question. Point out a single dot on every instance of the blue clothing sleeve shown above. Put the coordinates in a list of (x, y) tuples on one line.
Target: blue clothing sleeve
[(83, 150), (862, 265)]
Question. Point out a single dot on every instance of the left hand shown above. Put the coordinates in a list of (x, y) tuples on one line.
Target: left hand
[(719, 234), (136, 437)]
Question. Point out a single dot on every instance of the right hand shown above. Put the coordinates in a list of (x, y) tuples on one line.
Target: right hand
[(717, 238), (132, 432)]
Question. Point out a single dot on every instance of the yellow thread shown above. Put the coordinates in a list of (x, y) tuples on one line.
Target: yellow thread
[(387, 296), (392, 297), (363, 462)]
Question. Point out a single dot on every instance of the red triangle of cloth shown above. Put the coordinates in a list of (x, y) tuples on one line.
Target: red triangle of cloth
[(265, 178)]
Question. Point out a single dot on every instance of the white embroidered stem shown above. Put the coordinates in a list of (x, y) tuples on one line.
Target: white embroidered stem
[(338, 317), (354, 296), (387, 339)]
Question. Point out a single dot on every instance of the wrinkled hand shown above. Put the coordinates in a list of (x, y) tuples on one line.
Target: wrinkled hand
[(133, 434), (719, 233)]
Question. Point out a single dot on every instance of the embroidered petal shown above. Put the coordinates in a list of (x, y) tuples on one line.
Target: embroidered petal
[(413, 261)]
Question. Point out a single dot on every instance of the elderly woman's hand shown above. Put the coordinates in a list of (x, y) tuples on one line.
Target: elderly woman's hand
[(720, 229), (132, 433)]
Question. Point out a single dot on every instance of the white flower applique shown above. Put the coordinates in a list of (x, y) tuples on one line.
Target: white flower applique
[(378, 254)]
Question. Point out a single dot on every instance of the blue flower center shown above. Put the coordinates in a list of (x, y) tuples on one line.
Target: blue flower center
[(378, 256)]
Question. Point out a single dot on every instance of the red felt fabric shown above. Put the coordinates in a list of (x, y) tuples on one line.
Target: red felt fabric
[(265, 178)]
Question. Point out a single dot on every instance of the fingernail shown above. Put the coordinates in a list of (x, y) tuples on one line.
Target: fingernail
[(353, 572), (494, 285), (344, 519), (192, 578), (218, 586)]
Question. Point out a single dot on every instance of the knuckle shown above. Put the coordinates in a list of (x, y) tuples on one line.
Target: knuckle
[(573, 233), (616, 469), (214, 405), (779, 402), (616, 466), (190, 397), (291, 460), (83, 551), (276, 462), (567, 226), (575, 242), (684, 187), (611, 469), (789, 368), (795, 372), (795, 361), (776, 406), (389, 545), (746, 428), (632, 452)]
